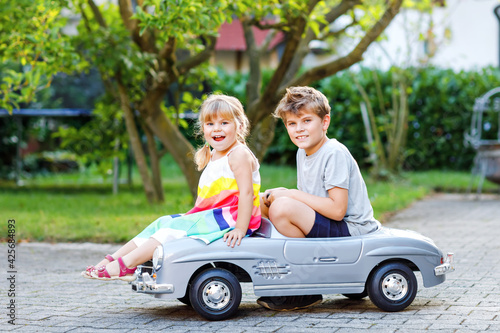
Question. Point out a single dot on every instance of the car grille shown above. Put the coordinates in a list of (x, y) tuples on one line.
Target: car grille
[(271, 269)]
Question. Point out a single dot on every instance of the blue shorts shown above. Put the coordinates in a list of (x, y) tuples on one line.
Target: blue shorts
[(325, 227)]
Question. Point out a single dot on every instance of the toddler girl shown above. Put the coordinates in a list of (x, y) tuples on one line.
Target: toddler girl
[(228, 194)]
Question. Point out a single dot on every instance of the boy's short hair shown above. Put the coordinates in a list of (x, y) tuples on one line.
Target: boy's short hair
[(300, 99)]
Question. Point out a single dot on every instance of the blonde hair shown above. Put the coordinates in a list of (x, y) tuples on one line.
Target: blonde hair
[(226, 107), (300, 99)]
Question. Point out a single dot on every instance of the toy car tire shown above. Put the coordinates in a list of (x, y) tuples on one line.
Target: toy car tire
[(215, 294), (392, 287)]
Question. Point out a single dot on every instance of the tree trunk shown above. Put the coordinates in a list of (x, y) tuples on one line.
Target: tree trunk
[(396, 154), (154, 161), (135, 143), (262, 136), (180, 148)]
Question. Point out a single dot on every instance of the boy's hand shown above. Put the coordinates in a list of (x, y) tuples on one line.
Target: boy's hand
[(234, 237), (271, 194)]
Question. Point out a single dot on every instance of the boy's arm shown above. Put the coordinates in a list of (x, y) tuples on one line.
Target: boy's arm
[(333, 207), (241, 163)]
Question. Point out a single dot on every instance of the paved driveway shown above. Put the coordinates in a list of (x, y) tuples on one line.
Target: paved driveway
[(50, 295)]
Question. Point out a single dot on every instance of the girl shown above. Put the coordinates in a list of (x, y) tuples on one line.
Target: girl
[(228, 202)]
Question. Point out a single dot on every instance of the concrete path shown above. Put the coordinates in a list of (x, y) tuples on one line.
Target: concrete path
[(50, 295)]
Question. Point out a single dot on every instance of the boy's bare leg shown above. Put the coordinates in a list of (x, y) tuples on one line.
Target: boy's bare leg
[(291, 218)]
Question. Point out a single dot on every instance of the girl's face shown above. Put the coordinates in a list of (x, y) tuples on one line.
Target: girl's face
[(220, 133)]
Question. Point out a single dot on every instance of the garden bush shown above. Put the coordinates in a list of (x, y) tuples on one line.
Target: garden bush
[(79, 91), (440, 103)]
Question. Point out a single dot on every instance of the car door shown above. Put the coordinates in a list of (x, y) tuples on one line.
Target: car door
[(323, 260)]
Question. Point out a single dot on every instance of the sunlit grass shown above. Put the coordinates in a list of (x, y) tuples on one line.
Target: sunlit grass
[(90, 215)]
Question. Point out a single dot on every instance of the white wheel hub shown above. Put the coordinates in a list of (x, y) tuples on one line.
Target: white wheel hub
[(395, 287), (216, 295)]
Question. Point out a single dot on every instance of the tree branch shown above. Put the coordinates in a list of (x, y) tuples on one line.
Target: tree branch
[(269, 26), (86, 20), (254, 80), (97, 14), (303, 48), (126, 12), (339, 32), (199, 58), (267, 41), (108, 84), (168, 51), (340, 10), (144, 41), (258, 110), (353, 57)]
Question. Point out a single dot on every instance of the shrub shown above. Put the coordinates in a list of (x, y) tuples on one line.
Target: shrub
[(440, 103)]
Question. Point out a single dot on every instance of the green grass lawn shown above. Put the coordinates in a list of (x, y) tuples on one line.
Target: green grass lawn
[(80, 207)]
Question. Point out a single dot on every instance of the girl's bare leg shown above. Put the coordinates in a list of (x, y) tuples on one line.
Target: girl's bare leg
[(125, 249), (136, 256)]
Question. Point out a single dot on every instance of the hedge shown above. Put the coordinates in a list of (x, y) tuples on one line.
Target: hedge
[(440, 103)]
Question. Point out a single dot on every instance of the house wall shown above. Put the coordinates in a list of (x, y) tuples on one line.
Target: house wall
[(465, 36), (233, 61)]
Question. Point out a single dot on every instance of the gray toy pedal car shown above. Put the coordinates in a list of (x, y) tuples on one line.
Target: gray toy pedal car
[(379, 265)]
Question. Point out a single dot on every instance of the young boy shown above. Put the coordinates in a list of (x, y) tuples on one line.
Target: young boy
[(331, 198)]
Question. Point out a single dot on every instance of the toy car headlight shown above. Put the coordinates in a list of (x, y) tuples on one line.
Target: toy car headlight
[(158, 257)]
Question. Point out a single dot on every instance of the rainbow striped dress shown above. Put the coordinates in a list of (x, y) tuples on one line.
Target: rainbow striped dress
[(215, 211)]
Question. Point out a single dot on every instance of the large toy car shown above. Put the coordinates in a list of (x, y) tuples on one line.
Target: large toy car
[(380, 265)]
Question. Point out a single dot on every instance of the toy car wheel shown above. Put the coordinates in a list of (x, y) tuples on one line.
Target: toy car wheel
[(357, 296), (392, 287), (215, 294)]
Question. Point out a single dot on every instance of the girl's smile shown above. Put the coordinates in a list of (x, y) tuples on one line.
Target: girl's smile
[(219, 137)]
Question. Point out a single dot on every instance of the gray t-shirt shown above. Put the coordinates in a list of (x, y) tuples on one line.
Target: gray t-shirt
[(333, 166)]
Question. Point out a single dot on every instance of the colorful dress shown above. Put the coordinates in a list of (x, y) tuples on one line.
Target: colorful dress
[(215, 211)]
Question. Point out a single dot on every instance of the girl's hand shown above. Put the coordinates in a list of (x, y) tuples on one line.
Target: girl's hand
[(234, 237)]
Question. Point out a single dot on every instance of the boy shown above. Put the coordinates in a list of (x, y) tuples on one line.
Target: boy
[(331, 198)]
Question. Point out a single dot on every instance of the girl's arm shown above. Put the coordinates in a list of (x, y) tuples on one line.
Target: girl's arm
[(242, 164)]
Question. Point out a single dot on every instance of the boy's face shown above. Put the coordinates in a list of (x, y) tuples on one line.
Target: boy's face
[(307, 130)]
